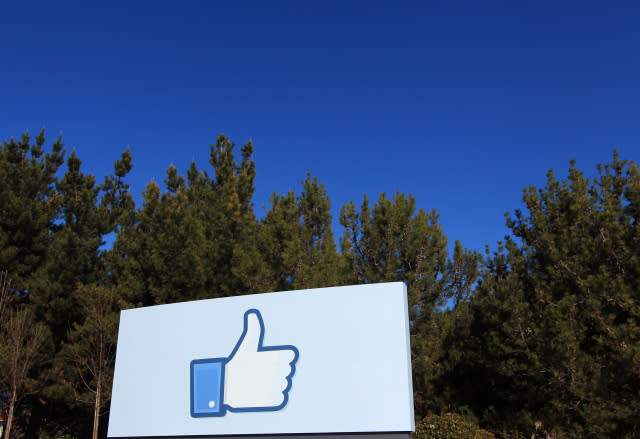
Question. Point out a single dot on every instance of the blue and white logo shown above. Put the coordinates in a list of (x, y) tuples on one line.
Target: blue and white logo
[(252, 378)]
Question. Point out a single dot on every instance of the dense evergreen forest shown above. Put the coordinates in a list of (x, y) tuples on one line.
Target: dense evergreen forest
[(540, 338)]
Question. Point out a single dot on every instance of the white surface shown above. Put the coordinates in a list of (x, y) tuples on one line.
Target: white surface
[(353, 373)]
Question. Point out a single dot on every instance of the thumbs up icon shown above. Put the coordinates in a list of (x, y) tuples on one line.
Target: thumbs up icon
[(253, 378)]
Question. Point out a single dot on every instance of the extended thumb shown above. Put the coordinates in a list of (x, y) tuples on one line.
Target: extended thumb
[(251, 338)]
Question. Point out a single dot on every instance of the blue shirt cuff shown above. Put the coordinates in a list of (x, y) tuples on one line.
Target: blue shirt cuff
[(207, 387)]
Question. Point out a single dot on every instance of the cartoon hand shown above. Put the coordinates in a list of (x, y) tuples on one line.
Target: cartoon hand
[(253, 377)]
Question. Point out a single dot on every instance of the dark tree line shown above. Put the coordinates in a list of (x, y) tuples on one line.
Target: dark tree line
[(541, 337)]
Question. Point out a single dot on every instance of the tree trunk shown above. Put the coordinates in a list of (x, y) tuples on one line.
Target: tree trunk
[(12, 405), (96, 411)]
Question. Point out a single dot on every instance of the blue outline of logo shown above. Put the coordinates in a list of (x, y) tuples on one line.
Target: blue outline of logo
[(223, 362)]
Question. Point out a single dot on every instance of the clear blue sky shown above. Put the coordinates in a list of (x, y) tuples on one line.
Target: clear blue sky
[(460, 103)]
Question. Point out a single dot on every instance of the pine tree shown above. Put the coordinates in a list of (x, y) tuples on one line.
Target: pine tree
[(553, 343), (319, 264), (278, 239), (29, 204), (51, 231), (392, 242), (295, 238), (189, 242)]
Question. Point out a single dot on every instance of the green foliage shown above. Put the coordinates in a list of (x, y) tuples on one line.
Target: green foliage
[(555, 322), (29, 203), (545, 343), (51, 231), (190, 241), (296, 244), (392, 242), (449, 426)]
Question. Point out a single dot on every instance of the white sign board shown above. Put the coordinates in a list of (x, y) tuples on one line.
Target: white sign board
[(330, 360)]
